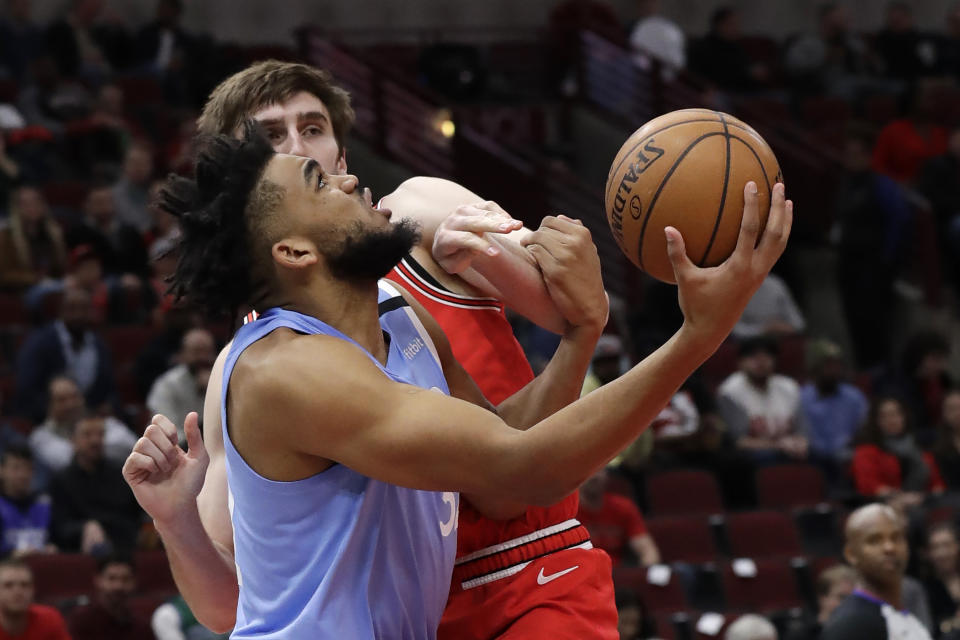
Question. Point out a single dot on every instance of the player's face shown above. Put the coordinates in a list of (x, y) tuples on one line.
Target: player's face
[(330, 211), (879, 550), (301, 126)]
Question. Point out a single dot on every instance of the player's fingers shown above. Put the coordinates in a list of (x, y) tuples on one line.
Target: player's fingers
[(677, 253), (138, 466), (191, 428), (485, 222), (776, 217), (750, 225), (147, 448), (465, 241), (168, 428), (169, 449), (546, 261), (569, 219)]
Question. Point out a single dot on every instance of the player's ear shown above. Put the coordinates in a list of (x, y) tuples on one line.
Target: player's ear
[(295, 252), (342, 162)]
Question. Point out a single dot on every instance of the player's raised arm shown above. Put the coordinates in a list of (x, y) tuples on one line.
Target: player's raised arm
[(480, 244), (415, 438)]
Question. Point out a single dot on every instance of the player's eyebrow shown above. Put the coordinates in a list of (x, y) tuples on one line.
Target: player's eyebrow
[(308, 169), (312, 115)]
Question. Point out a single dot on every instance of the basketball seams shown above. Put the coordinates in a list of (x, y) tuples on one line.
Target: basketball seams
[(619, 165), (663, 183), (723, 194)]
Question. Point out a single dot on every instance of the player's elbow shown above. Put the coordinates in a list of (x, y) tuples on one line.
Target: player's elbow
[(220, 620)]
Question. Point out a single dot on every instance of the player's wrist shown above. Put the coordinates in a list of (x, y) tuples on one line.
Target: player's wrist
[(179, 525)]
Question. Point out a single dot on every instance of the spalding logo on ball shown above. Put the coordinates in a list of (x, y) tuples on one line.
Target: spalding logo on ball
[(686, 169)]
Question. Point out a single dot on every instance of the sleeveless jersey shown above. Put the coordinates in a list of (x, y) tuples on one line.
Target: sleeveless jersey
[(339, 554), (483, 342)]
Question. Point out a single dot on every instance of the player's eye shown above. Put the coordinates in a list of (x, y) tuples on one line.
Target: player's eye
[(320, 183), (312, 130)]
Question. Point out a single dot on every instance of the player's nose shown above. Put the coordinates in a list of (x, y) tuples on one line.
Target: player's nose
[(346, 183)]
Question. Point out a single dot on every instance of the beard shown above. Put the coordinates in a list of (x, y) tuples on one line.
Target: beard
[(367, 255)]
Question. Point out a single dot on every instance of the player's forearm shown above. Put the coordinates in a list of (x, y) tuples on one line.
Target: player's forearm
[(557, 386), (556, 455), (515, 279), (204, 576)]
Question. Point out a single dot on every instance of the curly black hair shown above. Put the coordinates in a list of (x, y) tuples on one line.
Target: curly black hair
[(221, 210)]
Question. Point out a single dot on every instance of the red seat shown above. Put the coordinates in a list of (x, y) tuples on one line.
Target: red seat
[(790, 485), (940, 515), (683, 493), (60, 576), (657, 599), (774, 587), (665, 627), (759, 534), (683, 539), (69, 193), (822, 110), (11, 309), (142, 607), (821, 563), (619, 485), (792, 358), (721, 364), (153, 572)]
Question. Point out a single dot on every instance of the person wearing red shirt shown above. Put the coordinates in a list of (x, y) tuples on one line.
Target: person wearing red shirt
[(615, 523), (109, 615), (888, 463), (904, 145), (20, 618)]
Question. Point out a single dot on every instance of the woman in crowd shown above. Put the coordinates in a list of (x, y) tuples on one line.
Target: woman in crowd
[(31, 243)]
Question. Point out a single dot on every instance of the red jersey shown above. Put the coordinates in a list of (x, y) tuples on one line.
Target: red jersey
[(483, 342), (613, 525), (43, 623)]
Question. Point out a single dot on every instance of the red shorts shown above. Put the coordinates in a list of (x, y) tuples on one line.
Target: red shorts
[(566, 595)]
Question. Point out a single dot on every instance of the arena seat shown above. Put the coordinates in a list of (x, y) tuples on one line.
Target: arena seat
[(125, 342), (666, 627), (60, 576), (773, 588), (657, 598), (759, 534), (143, 606), (683, 493), (153, 572), (790, 485), (12, 311), (938, 515), (683, 538)]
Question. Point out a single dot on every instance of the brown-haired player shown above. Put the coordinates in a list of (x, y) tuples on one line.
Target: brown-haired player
[(532, 569)]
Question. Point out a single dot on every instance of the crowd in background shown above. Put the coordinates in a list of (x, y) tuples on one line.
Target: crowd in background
[(93, 113)]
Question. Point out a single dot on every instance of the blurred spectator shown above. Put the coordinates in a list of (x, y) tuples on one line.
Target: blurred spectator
[(949, 45), (94, 510), (833, 586), (21, 40), (24, 515), (615, 523), (633, 623), (688, 430), (67, 346), (762, 409), (771, 310), (942, 583), (906, 53), (607, 364), (872, 219), (904, 145), (831, 61), (947, 449), (181, 389), (109, 615), (119, 245), (9, 175), (939, 182), (52, 441), (31, 242), (131, 193), (164, 48), (720, 58), (835, 410), (568, 19), (922, 380), (50, 100), (99, 139), (163, 264), (656, 36), (160, 354), (173, 620), (163, 226), (84, 45), (20, 617), (887, 463), (876, 546), (751, 627)]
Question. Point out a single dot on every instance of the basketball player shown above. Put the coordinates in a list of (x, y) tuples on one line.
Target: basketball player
[(304, 114), (323, 427)]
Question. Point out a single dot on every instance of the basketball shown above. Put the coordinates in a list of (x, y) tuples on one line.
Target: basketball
[(686, 169)]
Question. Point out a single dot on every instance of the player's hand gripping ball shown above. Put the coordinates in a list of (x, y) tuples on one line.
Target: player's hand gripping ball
[(686, 169)]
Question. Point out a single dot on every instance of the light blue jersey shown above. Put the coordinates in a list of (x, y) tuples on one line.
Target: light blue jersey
[(340, 555)]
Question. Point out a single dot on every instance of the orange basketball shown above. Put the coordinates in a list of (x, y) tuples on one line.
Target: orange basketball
[(686, 169)]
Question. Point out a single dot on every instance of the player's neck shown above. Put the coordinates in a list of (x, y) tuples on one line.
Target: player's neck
[(349, 307)]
